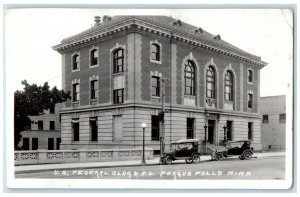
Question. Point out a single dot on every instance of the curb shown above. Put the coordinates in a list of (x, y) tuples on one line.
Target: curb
[(83, 167), (206, 159), (92, 167)]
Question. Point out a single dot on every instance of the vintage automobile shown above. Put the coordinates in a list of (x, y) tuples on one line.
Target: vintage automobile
[(241, 148), (183, 149)]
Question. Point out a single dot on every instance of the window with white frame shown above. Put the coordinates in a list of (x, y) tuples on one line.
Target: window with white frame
[(228, 86), (155, 89), (94, 89), (250, 100), (189, 78), (75, 62), (94, 57), (118, 61), (155, 52), (75, 92), (210, 82), (118, 95)]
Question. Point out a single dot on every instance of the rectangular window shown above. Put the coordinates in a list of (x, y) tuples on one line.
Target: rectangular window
[(118, 96), (250, 132), (35, 143), (94, 89), (155, 128), (75, 92), (155, 86), (93, 129), (52, 125), (229, 130), (250, 100), (117, 128), (250, 76), (118, 61), (282, 118), (76, 62), (52, 109), (50, 143), (40, 125), (265, 118), (189, 128), (75, 127), (25, 143), (58, 141)]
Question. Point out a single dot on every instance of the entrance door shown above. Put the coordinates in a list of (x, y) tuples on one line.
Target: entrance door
[(210, 131)]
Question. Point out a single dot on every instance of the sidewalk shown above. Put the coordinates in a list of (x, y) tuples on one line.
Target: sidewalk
[(109, 164)]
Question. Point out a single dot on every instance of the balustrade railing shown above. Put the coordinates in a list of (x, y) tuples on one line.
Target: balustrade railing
[(70, 156)]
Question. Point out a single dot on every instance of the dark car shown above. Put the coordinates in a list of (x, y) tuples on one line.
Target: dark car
[(242, 148), (183, 149)]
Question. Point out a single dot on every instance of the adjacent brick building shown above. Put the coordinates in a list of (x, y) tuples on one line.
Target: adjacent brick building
[(273, 124), (118, 70), (44, 132)]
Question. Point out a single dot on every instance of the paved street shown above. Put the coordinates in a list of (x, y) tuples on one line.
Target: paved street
[(232, 168)]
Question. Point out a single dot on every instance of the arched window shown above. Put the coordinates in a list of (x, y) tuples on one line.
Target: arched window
[(94, 57), (118, 60), (228, 86), (155, 52), (210, 82), (189, 78), (75, 61)]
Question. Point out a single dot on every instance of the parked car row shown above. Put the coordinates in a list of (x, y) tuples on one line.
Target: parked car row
[(189, 150)]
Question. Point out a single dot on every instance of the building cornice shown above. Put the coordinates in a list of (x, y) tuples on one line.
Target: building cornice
[(139, 25), (158, 106)]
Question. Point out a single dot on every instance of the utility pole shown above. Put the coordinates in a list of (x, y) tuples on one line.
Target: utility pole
[(162, 120)]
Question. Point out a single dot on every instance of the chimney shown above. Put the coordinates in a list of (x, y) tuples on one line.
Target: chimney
[(97, 20), (106, 18)]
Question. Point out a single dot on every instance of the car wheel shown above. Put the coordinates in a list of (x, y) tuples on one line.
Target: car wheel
[(247, 155), (212, 156), (196, 158), (219, 156), (189, 161), (241, 157), (169, 160)]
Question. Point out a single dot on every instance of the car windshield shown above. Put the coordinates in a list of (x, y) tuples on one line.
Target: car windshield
[(238, 144), (180, 146), (234, 144)]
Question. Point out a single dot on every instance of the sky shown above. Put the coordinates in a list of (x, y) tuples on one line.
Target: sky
[(30, 34)]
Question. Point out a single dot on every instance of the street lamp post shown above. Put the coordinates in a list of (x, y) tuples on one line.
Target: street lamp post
[(205, 140), (144, 125)]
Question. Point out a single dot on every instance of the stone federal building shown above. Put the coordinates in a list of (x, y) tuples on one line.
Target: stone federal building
[(115, 72)]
